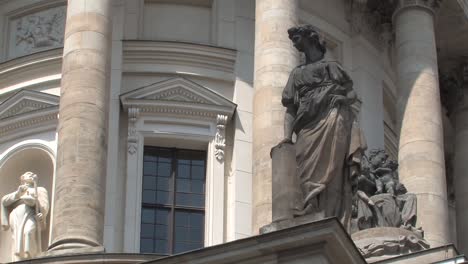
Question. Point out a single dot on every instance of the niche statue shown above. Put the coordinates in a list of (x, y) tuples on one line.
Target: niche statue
[(24, 211), (318, 98)]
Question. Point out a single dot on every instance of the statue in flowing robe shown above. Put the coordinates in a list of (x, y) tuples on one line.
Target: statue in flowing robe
[(24, 212), (318, 97)]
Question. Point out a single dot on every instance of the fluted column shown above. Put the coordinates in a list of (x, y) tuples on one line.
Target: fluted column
[(78, 213), (421, 149), (461, 163), (275, 57)]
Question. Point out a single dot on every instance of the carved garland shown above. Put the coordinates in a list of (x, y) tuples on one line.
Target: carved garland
[(220, 139), (132, 140)]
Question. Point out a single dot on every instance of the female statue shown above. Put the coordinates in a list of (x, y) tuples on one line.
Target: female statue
[(318, 98)]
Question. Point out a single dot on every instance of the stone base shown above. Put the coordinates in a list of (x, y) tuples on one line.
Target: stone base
[(323, 241), (288, 223), (74, 251), (386, 242)]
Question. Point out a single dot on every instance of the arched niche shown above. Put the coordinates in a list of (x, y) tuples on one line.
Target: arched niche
[(35, 158)]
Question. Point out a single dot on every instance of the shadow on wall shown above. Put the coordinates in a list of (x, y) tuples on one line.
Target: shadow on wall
[(32, 159)]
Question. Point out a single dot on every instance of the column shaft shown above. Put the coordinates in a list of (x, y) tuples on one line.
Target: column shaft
[(275, 57), (460, 170), (421, 151), (82, 130)]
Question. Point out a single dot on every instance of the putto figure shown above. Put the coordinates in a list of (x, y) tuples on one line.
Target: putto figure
[(24, 211), (318, 97)]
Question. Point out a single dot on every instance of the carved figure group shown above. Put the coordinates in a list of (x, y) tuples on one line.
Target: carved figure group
[(24, 212), (380, 200)]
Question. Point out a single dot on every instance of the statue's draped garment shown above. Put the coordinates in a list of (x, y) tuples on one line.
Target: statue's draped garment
[(18, 216), (329, 139)]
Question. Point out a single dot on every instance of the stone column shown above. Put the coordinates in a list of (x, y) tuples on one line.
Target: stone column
[(78, 214), (460, 165), (421, 148), (275, 57)]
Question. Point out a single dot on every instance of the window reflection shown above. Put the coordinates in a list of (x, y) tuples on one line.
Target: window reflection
[(173, 200)]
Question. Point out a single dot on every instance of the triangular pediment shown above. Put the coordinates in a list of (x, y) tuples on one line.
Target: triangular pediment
[(177, 92), (25, 102)]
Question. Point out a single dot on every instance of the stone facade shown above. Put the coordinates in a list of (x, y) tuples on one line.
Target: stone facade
[(86, 85)]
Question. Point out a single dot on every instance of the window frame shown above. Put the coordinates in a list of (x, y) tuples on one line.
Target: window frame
[(176, 111), (172, 207)]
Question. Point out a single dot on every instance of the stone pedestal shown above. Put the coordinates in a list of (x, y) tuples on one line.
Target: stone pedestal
[(421, 150), (285, 187), (78, 213), (275, 57)]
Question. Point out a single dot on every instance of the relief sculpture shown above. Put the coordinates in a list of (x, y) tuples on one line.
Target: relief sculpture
[(38, 31)]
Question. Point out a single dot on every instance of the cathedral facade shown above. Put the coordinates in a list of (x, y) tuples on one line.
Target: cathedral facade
[(150, 123)]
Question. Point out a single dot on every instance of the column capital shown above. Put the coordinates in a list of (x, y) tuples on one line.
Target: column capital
[(454, 88), (429, 5)]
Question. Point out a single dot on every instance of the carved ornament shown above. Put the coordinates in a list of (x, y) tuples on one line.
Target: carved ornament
[(220, 137)]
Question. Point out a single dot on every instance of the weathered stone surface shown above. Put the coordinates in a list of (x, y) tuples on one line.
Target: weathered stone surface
[(274, 59), (78, 218), (421, 159)]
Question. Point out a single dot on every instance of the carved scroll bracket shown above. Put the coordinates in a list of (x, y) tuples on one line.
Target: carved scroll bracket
[(220, 137), (132, 140)]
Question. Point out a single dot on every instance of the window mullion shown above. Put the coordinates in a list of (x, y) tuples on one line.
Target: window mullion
[(172, 217)]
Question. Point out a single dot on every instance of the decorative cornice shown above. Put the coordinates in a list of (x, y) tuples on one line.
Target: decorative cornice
[(373, 18), (178, 57), (454, 88), (25, 101), (178, 97), (220, 137), (27, 111)]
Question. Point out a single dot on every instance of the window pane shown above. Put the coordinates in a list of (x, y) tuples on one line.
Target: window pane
[(197, 200), (183, 186), (149, 196), (182, 218), (159, 206), (198, 187), (196, 234), (161, 247), (147, 231), (147, 216), (149, 183), (164, 169), (199, 162), (161, 232), (183, 171), (197, 220), (149, 168), (146, 245), (183, 199), (163, 197), (181, 234), (162, 216), (181, 247), (163, 184), (198, 172)]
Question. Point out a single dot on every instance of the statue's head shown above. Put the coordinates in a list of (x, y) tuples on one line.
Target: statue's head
[(307, 35), (377, 157), (28, 177)]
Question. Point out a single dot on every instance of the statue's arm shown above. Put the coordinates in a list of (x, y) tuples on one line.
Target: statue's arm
[(289, 118), (10, 198)]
